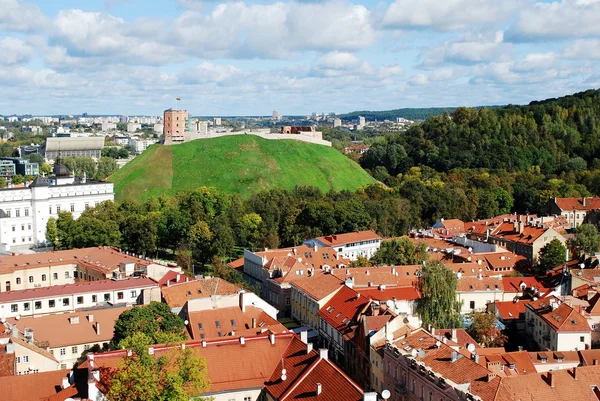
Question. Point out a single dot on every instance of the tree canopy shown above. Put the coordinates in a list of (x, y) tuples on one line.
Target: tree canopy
[(483, 329), (587, 239), (551, 255), (438, 305)]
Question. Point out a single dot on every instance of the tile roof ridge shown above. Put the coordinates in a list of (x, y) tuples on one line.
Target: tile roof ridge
[(299, 379), (34, 348), (344, 375)]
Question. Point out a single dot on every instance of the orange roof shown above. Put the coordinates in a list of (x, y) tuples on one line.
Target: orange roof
[(503, 260), (594, 308), (34, 348), (529, 235), (562, 318), (466, 284), (237, 264), (59, 332), (306, 255), (462, 337), (514, 284), (343, 310), (510, 310), (385, 275), (221, 322), (176, 295), (319, 285), (34, 387), (348, 238), (535, 387), (399, 293), (570, 204), (103, 259), (7, 362)]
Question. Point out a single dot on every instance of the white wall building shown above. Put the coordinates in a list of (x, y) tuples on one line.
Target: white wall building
[(350, 245), (24, 212), (141, 144)]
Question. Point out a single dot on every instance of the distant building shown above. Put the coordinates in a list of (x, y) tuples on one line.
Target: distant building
[(78, 147), (217, 121), (23, 166), (337, 122), (575, 210), (7, 169), (141, 144), (276, 115), (158, 128), (350, 245), (133, 127), (175, 126), (109, 126), (361, 122)]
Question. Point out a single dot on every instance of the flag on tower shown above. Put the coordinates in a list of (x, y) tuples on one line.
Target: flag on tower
[(177, 98)]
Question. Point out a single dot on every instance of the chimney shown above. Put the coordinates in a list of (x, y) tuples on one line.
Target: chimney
[(74, 319), (309, 348), (14, 331), (253, 322), (316, 248), (550, 378), (521, 227), (203, 344), (515, 226), (583, 201), (323, 353), (575, 373), (370, 397), (272, 338), (98, 328), (65, 382), (319, 388), (595, 362), (476, 357), (454, 339), (454, 356), (178, 277), (90, 318), (242, 304), (304, 336), (242, 340), (491, 376), (10, 348)]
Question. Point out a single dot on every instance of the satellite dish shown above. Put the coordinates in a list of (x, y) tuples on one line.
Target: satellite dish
[(413, 352), (385, 394), (186, 322), (17, 317), (471, 348), (437, 344)]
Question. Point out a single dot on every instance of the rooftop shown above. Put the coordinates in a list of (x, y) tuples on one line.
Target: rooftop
[(348, 238), (560, 316), (343, 309), (578, 204), (35, 387), (176, 295), (57, 144), (319, 285)]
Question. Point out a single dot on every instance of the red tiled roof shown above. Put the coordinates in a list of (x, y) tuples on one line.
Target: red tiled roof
[(7, 362), (237, 264), (226, 318), (529, 235), (462, 337), (400, 293), (172, 277), (176, 295), (34, 387), (466, 284), (511, 310), (513, 284), (77, 288), (562, 318), (385, 275), (318, 286), (304, 254), (343, 310), (570, 204), (347, 238)]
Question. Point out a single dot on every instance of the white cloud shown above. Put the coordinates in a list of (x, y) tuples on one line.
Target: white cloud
[(14, 51), (447, 14), (557, 20), (583, 49), (208, 73), (16, 15)]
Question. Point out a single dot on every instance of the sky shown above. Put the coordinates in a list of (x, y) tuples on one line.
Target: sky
[(134, 57)]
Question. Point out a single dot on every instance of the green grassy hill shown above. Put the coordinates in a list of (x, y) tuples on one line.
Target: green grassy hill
[(241, 164)]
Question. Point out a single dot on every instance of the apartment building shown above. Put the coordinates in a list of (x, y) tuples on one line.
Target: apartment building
[(350, 245), (576, 211), (311, 294)]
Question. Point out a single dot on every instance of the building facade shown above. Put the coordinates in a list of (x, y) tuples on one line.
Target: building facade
[(174, 126)]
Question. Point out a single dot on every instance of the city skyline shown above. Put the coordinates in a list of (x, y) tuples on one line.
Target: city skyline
[(249, 58)]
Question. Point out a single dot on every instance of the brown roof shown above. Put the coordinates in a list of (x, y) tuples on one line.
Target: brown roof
[(348, 238), (462, 337), (562, 318), (529, 235), (343, 310), (385, 275), (388, 293), (203, 324), (304, 254), (570, 204), (34, 387), (176, 295), (510, 310), (514, 284), (319, 285), (7, 362), (102, 259), (34, 348), (77, 288), (535, 387), (467, 284), (59, 332)]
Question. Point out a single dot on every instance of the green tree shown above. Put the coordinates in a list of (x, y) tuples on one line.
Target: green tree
[(483, 329), (438, 305), (64, 230), (587, 239), (176, 375), (551, 255), (2, 182), (17, 179), (200, 238), (106, 166), (52, 232), (155, 320), (401, 251)]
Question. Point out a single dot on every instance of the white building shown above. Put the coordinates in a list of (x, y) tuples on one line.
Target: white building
[(133, 127), (337, 122), (141, 144), (554, 325), (217, 121), (350, 245), (24, 212), (158, 128), (122, 140), (109, 126)]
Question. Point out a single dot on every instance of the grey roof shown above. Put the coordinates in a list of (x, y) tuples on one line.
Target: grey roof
[(90, 143)]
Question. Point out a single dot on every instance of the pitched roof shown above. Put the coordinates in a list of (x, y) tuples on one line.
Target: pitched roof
[(348, 238), (383, 275), (176, 295), (388, 293), (318, 286), (570, 204), (462, 337), (467, 284), (514, 284), (34, 348), (306, 255), (343, 309), (510, 310), (529, 235), (104, 259), (58, 330), (221, 322), (34, 387), (81, 287), (562, 318), (535, 387), (7, 362)]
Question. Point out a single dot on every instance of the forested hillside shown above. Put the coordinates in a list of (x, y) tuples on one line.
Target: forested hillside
[(411, 114)]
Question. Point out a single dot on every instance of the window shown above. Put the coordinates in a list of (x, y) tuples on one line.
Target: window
[(54, 276), (86, 347), (14, 308), (63, 351), (14, 228), (67, 275), (31, 279), (7, 284), (232, 323), (38, 304), (94, 298), (25, 358), (29, 226), (120, 295), (8, 213), (79, 300), (50, 209), (106, 297), (200, 326), (74, 350), (26, 211), (218, 324), (51, 303), (133, 294), (26, 306), (87, 206), (17, 212), (57, 208), (22, 227), (582, 339), (65, 301), (43, 277), (18, 280), (18, 359), (247, 398), (72, 207)]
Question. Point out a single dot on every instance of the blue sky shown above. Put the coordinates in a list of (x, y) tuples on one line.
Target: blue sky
[(253, 57)]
